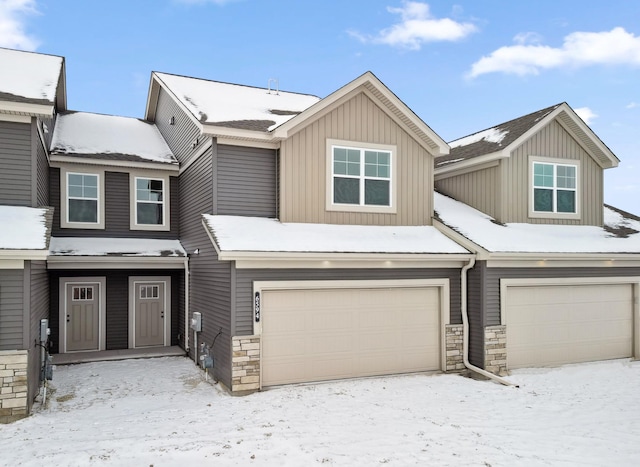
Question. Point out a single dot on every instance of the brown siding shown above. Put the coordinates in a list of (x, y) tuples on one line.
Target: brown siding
[(551, 141), (359, 119), (479, 189)]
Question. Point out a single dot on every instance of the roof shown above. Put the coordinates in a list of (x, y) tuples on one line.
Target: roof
[(258, 234), (119, 247), (233, 105), (109, 137), (499, 138), (24, 228), (32, 78), (621, 233)]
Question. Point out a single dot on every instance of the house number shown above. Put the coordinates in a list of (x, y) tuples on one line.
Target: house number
[(257, 307)]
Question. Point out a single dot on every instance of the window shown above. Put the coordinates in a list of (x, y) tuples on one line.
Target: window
[(82, 203), (554, 188), (82, 293), (149, 291), (149, 201), (361, 176)]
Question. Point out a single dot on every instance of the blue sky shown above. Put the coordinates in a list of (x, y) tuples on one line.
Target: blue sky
[(462, 67)]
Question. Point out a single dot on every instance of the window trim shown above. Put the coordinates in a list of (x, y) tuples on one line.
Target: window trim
[(133, 201), (555, 162), (64, 199), (331, 206)]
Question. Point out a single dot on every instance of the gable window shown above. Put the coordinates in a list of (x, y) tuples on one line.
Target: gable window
[(554, 188), (361, 178), (81, 199), (149, 202)]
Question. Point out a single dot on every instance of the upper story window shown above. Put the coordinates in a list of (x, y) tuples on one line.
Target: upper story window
[(554, 188), (149, 203), (361, 178), (82, 205)]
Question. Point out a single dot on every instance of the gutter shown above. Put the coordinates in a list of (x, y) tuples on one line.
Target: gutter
[(465, 333), (186, 305)]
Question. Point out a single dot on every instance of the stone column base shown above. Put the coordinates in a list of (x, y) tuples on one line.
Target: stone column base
[(495, 350), (13, 385), (454, 343), (245, 364)]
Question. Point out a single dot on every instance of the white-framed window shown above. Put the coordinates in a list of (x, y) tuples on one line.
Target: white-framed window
[(554, 187), (82, 199), (361, 177), (149, 201)]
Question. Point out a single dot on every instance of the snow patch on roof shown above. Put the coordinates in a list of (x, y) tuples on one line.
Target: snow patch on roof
[(215, 102), (531, 238), (91, 134), (72, 246), (29, 75), (492, 135), (253, 234), (23, 228)]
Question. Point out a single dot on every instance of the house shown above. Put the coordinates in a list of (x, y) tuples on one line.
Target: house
[(32, 92), (557, 273), (309, 228)]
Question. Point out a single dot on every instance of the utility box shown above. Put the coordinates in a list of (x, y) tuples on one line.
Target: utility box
[(196, 321), (44, 330)]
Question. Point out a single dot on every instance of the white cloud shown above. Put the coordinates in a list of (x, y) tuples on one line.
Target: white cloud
[(632, 105), (12, 33), (416, 28), (579, 49), (586, 114)]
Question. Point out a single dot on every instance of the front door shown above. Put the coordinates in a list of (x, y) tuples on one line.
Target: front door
[(82, 316), (150, 313)]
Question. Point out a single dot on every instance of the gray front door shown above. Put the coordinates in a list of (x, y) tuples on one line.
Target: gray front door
[(149, 312), (83, 316)]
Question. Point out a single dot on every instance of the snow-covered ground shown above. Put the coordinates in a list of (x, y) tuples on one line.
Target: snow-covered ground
[(162, 412)]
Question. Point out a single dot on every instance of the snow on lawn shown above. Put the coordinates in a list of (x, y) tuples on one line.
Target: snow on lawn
[(161, 412)]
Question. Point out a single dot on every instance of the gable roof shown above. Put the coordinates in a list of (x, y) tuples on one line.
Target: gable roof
[(108, 138), (31, 83), (499, 140)]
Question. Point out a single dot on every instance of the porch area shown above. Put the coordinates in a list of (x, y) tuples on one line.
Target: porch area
[(121, 354)]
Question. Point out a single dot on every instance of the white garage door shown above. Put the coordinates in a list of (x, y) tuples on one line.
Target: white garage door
[(322, 334), (557, 324)]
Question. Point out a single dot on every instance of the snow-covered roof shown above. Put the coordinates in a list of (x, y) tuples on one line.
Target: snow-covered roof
[(123, 247), (258, 234), (482, 230), (23, 228), (29, 77), (109, 137), (234, 105)]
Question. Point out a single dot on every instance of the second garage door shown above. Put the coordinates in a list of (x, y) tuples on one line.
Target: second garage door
[(322, 334), (558, 324)]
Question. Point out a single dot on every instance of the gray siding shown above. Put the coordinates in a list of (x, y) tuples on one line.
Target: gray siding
[(117, 210), (245, 278), (15, 160), (42, 173), (11, 309), (246, 181), (181, 135), (475, 306), (39, 309)]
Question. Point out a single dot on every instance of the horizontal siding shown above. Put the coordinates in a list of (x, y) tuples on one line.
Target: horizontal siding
[(11, 308), (39, 289), (15, 160), (42, 174), (303, 172), (555, 142), (480, 189), (246, 181), (246, 277)]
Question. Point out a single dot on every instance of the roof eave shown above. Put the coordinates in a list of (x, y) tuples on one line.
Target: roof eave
[(24, 254), (115, 262), (56, 158), (27, 109)]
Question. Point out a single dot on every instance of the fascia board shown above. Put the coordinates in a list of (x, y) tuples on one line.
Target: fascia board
[(152, 99), (338, 257), (471, 164), (57, 160), (115, 262), (237, 133), (461, 240), (210, 235), (26, 255), (61, 91), (156, 78), (25, 108)]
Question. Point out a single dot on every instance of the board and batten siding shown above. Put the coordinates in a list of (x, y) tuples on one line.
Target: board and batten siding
[(479, 189), (303, 171), (117, 209), (555, 142), (11, 309), (39, 309), (246, 181), (246, 277), (182, 133), (16, 162)]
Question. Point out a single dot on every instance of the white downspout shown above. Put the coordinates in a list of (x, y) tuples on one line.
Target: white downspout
[(465, 329), (186, 304)]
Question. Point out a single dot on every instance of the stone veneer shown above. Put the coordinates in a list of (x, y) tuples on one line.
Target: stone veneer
[(13, 385), (454, 342), (495, 350), (245, 364)]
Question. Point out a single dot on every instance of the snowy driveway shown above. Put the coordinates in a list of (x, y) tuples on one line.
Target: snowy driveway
[(161, 412)]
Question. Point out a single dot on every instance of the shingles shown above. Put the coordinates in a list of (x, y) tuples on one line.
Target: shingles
[(513, 129)]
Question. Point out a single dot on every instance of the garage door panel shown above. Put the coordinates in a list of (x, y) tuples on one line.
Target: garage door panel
[(349, 333), (558, 324)]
